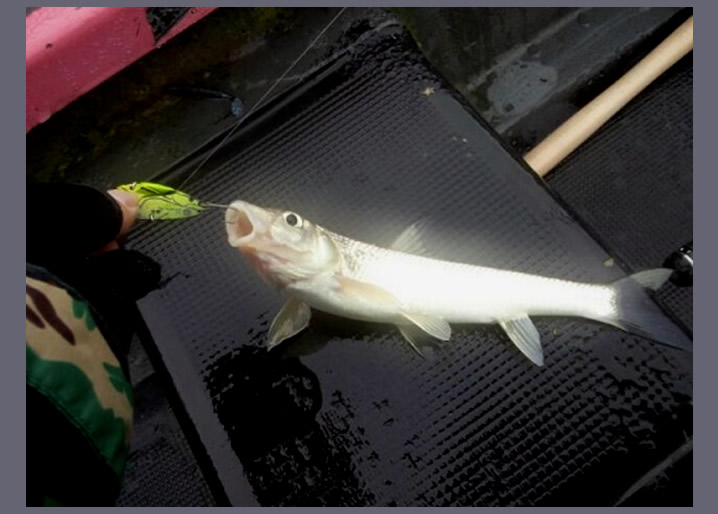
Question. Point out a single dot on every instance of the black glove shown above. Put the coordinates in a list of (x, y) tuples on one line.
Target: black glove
[(66, 225), (68, 221)]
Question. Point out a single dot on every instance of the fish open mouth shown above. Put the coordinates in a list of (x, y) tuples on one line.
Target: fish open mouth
[(239, 224)]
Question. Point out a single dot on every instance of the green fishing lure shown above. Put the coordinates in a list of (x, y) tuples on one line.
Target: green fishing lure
[(158, 202)]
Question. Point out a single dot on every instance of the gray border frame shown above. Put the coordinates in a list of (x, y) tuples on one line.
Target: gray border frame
[(13, 485)]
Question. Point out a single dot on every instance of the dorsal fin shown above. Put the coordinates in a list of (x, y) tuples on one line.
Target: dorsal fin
[(411, 241)]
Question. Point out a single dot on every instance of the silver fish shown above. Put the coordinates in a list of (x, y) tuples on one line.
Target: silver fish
[(319, 269)]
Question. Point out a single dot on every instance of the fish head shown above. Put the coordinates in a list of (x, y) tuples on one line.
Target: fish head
[(281, 245)]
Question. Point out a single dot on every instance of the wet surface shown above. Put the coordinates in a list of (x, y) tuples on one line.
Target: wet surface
[(526, 70), (347, 414), (646, 151), (162, 470)]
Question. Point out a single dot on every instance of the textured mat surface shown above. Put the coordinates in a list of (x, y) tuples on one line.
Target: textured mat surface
[(632, 183), (347, 414), (161, 469)]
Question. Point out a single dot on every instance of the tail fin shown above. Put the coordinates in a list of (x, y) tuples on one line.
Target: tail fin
[(637, 314)]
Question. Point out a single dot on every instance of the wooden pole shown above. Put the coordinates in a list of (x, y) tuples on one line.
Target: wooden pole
[(579, 127)]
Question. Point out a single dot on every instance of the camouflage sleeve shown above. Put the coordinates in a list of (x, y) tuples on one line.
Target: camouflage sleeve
[(79, 401)]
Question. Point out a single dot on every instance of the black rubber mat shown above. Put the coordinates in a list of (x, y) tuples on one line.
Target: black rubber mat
[(348, 414), (161, 469), (632, 183)]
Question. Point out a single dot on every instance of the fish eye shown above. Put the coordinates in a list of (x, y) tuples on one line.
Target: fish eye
[(292, 219)]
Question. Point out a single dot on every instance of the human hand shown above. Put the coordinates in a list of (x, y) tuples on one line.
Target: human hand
[(74, 233), (128, 204)]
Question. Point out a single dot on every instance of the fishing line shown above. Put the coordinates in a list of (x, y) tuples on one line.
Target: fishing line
[(262, 98), (222, 206)]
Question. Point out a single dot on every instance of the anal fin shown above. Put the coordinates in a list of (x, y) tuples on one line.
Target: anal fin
[(525, 336)]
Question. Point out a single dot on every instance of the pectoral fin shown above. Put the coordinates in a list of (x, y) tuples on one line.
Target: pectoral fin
[(291, 319), (524, 335)]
